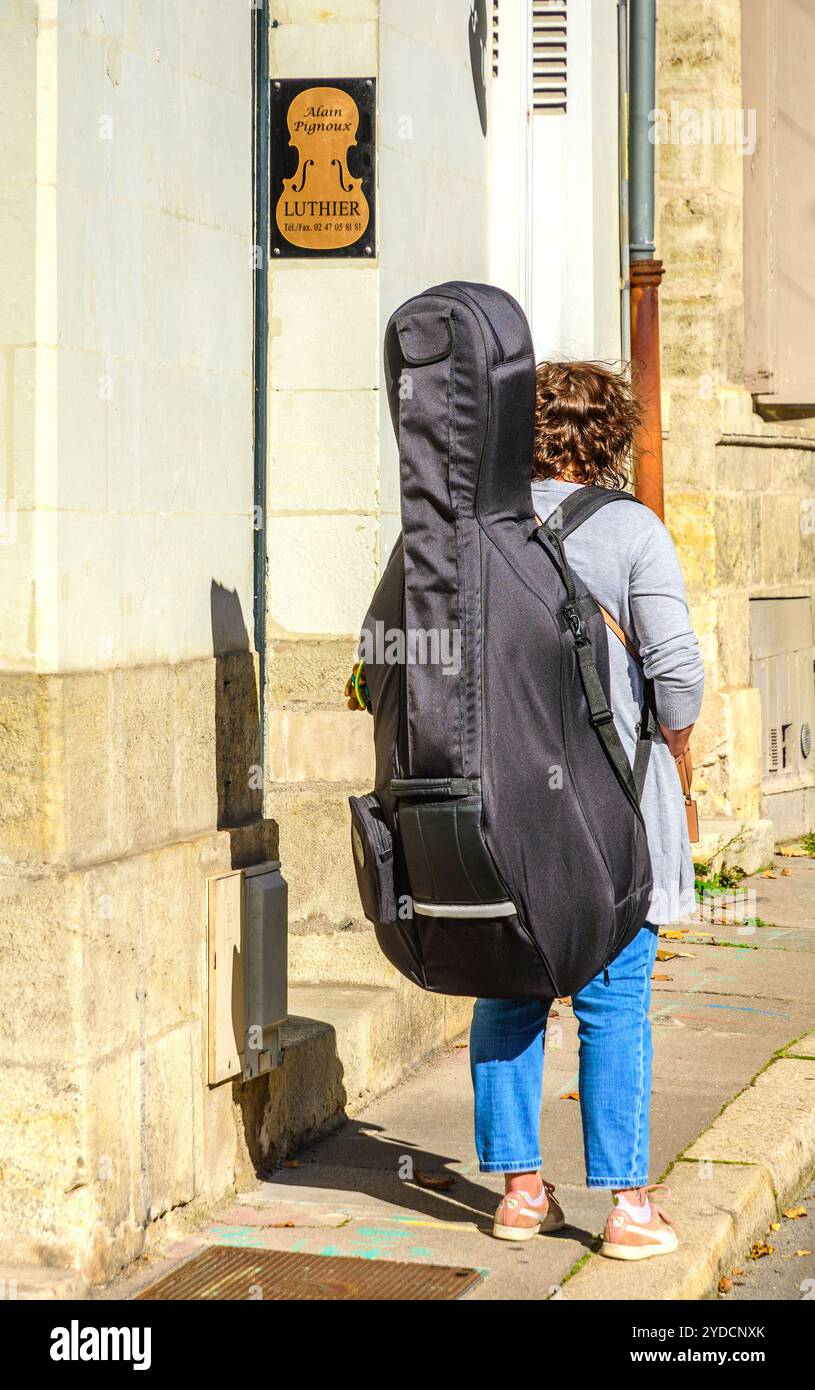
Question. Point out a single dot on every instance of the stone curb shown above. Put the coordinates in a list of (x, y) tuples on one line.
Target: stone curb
[(725, 1189)]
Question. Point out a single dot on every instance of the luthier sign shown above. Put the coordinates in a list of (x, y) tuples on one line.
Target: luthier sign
[(323, 167)]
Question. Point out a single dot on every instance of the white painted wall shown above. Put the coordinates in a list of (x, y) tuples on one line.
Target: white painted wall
[(555, 234), (511, 129), (126, 326), (132, 436), (333, 487), (433, 178), (323, 376), (25, 69)]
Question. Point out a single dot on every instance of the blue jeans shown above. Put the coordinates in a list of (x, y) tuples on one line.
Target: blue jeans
[(506, 1060)]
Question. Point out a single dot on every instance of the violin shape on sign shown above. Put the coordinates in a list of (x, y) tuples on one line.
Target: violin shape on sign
[(323, 206)]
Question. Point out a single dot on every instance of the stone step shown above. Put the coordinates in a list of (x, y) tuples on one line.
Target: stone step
[(748, 844), (338, 954), (40, 1283), (344, 1044)]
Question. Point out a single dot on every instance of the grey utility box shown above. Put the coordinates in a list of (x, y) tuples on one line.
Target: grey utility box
[(782, 669), (265, 966)]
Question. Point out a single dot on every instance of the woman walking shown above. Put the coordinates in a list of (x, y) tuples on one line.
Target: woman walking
[(585, 421)]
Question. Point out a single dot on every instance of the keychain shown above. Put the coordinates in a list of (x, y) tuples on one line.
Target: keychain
[(356, 689)]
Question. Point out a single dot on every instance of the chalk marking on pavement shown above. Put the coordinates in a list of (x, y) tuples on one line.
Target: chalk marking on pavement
[(744, 1009), (435, 1225)]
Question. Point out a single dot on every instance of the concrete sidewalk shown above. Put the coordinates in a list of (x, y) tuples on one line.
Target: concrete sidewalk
[(720, 1013)]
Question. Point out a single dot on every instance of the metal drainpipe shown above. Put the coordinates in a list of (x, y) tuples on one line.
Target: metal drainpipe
[(260, 36), (646, 271)]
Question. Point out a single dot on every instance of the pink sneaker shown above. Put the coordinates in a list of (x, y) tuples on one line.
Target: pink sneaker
[(518, 1219), (627, 1239)]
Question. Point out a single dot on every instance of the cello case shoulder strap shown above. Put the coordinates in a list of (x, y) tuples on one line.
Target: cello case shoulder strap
[(583, 503), (571, 513)]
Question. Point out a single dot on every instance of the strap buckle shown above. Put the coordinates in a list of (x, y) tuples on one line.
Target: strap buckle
[(572, 615), (600, 716)]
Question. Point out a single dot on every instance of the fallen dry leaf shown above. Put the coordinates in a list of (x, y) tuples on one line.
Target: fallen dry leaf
[(662, 977), (438, 1181), (459, 1044), (674, 935), (734, 1272), (768, 873), (667, 955), (760, 1249), (570, 1095), (793, 852), (725, 1284), (291, 1163), (799, 1253), (785, 873), (775, 1225), (793, 1213)]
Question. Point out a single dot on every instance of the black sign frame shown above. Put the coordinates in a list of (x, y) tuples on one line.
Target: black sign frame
[(284, 159)]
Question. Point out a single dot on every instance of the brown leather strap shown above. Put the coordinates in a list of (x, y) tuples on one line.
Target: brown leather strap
[(684, 761), (618, 632), (684, 766)]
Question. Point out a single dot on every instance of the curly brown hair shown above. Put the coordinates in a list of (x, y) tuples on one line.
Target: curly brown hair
[(586, 416)]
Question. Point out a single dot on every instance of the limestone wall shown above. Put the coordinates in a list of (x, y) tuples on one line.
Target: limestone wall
[(733, 508)]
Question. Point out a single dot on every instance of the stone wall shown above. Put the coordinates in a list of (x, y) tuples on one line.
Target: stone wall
[(734, 507), (128, 689)]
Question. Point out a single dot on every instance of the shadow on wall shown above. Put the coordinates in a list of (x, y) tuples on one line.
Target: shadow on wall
[(253, 840), (238, 768), (237, 722)]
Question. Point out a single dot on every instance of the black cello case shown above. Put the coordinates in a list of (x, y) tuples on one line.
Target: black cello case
[(502, 852)]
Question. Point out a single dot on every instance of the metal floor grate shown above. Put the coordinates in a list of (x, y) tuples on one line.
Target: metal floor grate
[(223, 1272)]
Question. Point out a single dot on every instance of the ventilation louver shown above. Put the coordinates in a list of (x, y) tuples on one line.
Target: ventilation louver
[(549, 57)]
